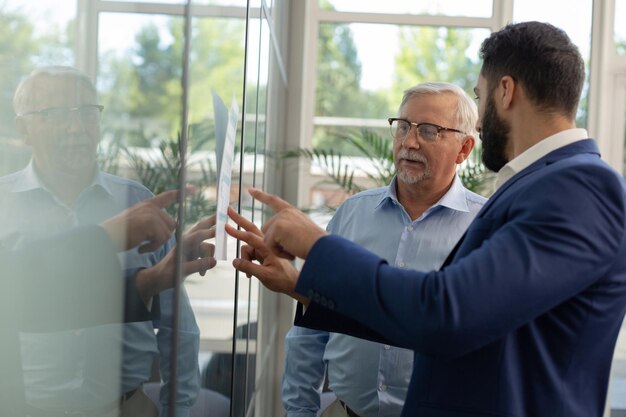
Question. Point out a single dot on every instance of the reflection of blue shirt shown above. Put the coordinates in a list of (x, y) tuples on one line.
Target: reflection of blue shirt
[(80, 369), (372, 379)]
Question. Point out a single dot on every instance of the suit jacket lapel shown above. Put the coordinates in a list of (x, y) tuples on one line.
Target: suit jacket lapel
[(581, 146), (576, 148)]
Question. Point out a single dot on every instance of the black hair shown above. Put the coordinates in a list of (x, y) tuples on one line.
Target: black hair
[(540, 57)]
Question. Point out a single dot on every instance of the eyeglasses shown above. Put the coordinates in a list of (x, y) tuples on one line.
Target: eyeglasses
[(400, 129), (87, 114)]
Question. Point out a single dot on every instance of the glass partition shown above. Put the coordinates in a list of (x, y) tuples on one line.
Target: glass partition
[(113, 322)]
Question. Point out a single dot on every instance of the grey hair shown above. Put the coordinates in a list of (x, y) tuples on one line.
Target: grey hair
[(26, 92), (466, 111)]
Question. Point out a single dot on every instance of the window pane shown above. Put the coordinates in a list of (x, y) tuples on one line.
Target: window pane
[(477, 8), (369, 166), (372, 64), (140, 54), (33, 34), (576, 23)]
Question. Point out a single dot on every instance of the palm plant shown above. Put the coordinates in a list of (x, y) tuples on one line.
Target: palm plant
[(375, 148), (159, 172)]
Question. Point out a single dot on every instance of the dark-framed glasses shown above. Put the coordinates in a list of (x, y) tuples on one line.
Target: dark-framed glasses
[(87, 114), (429, 132)]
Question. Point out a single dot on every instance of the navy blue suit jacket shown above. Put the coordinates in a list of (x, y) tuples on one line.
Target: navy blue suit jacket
[(522, 319)]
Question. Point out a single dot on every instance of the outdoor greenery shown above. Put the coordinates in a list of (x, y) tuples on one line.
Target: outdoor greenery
[(159, 171), (435, 54), (425, 54), (151, 72), (21, 51)]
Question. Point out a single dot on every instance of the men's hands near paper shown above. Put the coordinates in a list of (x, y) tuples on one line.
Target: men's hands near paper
[(276, 273), (198, 257), (144, 223), (289, 233)]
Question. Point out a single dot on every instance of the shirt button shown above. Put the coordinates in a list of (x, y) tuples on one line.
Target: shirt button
[(383, 387), (401, 264), (387, 347), (410, 228)]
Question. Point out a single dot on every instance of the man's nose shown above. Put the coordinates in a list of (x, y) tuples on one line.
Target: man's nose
[(74, 122), (412, 140)]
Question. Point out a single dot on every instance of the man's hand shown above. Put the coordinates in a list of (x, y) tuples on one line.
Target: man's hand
[(275, 273), (197, 258), (290, 233), (145, 222)]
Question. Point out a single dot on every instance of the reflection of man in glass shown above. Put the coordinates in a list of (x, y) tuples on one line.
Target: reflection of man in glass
[(75, 371)]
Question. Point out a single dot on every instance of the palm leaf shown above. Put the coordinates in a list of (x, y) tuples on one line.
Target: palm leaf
[(338, 172), (377, 149)]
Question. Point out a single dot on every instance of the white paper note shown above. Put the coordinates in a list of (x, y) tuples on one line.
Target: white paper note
[(223, 186)]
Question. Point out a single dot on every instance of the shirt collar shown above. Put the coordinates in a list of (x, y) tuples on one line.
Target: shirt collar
[(30, 180), (453, 199), (99, 181), (27, 180), (537, 151), (389, 195)]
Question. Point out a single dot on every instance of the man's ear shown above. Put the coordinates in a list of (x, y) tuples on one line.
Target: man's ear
[(467, 145), (507, 91)]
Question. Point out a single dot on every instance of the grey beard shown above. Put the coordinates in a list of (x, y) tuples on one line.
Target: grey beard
[(407, 178)]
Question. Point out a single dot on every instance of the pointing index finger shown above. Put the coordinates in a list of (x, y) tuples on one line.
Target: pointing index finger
[(274, 202), (252, 239), (243, 222)]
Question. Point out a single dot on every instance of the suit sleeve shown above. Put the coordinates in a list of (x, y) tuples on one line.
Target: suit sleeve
[(559, 238)]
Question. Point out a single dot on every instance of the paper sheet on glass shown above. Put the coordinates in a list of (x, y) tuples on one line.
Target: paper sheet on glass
[(223, 188)]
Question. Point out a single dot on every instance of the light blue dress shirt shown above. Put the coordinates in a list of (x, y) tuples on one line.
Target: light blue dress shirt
[(81, 369), (372, 379)]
